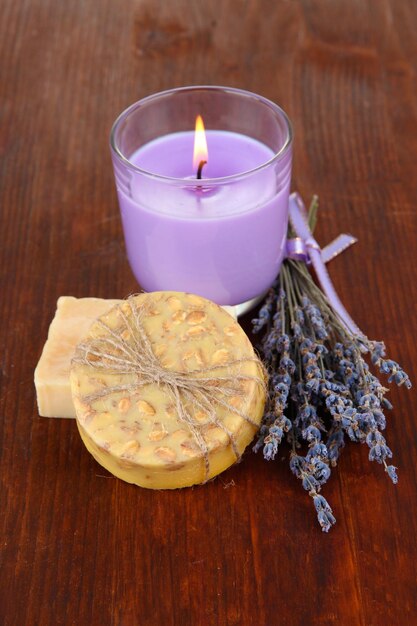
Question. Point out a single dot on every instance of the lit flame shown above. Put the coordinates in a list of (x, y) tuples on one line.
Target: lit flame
[(200, 143)]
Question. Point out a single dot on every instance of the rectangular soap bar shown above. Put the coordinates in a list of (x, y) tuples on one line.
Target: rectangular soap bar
[(71, 323), (73, 318)]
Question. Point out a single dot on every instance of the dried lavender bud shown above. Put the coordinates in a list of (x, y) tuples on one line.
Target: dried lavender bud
[(312, 433), (265, 312), (392, 473), (321, 471), (324, 513), (335, 443), (297, 465)]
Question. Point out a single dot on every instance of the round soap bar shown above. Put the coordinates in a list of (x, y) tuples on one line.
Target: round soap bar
[(167, 389)]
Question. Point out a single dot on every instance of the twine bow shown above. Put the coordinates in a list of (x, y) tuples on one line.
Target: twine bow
[(305, 248), (128, 352)]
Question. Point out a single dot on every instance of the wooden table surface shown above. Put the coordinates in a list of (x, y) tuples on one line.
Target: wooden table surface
[(78, 546)]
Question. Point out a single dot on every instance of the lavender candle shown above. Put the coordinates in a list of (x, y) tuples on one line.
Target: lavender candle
[(209, 218)]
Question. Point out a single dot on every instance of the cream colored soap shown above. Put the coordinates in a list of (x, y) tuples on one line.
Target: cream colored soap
[(72, 320), (167, 389)]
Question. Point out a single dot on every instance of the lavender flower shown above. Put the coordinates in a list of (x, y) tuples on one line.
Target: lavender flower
[(392, 473), (264, 314), (321, 390), (335, 443), (324, 513)]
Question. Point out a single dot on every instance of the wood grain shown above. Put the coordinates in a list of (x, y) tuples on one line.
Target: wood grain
[(80, 547)]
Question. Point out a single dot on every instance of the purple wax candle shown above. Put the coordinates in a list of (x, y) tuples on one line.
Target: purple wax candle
[(222, 237)]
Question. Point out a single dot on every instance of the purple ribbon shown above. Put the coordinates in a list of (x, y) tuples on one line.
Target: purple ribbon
[(305, 248)]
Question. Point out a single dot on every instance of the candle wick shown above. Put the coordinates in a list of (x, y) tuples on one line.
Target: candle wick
[(200, 169)]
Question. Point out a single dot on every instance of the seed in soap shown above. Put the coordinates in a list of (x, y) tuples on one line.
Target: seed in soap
[(131, 430), (201, 416), (100, 384), (190, 449), (160, 349), (166, 454), (196, 331), (215, 436), (124, 405), (179, 316), (168, 362), (145, 407), (192, 354), (130, 448), (180, 434), (220, 357), (126, 459), (231, 330), (201, 358), (157, 433), (171, 411), (196, 317), (174, 303)]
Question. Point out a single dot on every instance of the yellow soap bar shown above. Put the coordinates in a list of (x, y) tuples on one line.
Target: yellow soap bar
[(72, 320), (167, 389)]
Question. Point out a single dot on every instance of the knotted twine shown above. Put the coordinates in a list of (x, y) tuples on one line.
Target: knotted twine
[(195, 389)]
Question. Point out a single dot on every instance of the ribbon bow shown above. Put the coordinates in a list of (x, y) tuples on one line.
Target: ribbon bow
[(305, 248)]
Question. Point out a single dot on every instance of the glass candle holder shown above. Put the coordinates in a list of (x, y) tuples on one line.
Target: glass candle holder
[(221, 236)]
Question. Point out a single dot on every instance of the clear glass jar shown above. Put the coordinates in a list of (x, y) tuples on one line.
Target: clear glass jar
[(222, 237)]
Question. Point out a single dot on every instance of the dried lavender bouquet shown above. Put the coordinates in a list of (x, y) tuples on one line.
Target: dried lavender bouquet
[(321, 390)]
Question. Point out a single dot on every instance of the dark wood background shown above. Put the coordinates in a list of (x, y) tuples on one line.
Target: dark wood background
[(80, 547)]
